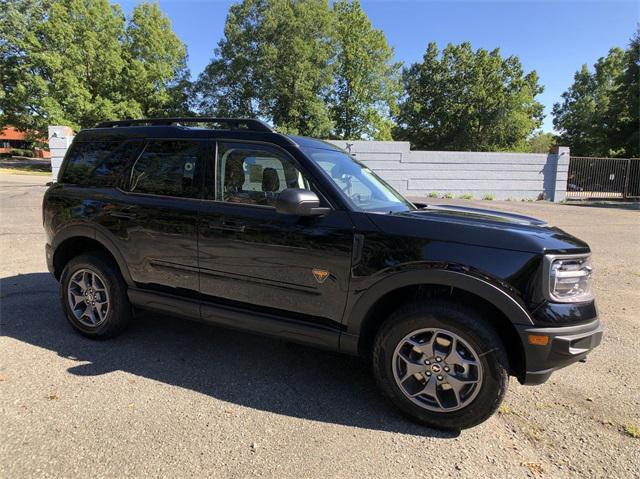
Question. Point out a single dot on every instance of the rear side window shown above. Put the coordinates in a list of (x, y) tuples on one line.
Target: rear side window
[(99, 163), (166, 167)]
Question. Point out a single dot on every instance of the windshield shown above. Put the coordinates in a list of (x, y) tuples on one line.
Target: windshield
[(363, 189)]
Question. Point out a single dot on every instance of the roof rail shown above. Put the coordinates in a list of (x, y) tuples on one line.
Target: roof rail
[(225, 123)]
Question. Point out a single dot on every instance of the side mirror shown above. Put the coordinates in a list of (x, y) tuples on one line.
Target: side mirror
[(296, 201)]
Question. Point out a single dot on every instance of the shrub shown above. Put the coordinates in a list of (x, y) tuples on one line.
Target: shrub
[(21, 152), (448, 195), (433, 194), (466, 196), (489, 197)]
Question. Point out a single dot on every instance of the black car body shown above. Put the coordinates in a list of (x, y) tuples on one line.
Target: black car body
[(328, 277)]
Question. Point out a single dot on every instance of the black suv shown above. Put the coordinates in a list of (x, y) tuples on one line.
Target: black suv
[(226, 221)]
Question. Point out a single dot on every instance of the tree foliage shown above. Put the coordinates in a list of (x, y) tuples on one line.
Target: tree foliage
[(624, 108), (599, 113), (306, 67), (76, 62), (466, 100), (272, 63), (366, 83), (540, 142), (583, 116), (157, 74)]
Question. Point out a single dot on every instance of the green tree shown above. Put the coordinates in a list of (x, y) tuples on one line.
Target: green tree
[(157, 73), (75, 62), (229, 84), (365, 78), (273, 62), (466, 100), (21, 89), (583, 117), (540, 142), (624, 108)]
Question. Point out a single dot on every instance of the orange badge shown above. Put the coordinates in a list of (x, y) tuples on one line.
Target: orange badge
[(320, 275)]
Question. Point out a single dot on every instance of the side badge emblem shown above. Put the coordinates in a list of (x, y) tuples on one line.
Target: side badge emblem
[(320, 275)]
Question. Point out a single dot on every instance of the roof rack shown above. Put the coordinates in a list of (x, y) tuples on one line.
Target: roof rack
[(226, 123)]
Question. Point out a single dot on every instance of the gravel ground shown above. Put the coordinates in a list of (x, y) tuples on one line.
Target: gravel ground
[(176, 398)]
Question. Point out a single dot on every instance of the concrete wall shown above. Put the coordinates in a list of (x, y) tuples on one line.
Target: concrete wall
[(59, 141), (417, 173), (503, 175)]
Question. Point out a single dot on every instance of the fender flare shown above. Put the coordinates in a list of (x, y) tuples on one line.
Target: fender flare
[(85, 231), (484, 288)]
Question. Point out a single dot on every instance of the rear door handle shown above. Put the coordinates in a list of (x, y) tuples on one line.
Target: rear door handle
[(125, 214)]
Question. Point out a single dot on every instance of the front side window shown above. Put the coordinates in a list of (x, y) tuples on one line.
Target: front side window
[(364, 190), (254, 174), (166, 167)]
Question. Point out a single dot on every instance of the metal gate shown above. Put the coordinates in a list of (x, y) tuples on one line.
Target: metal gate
[(604, 178)]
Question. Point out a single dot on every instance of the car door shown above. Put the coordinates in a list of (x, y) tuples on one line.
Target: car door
[(254, 257), (155, 217)]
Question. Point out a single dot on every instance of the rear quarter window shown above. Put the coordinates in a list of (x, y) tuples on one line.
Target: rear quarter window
[(99, 163), (166, 168)]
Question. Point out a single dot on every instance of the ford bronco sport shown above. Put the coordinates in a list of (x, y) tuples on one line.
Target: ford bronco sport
[(226, 221)]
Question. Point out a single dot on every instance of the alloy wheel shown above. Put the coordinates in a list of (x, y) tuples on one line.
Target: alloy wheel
[(437, 370), (88, 297)]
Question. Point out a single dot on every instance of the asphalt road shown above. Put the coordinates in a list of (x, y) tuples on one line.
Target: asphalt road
[(175, 398)]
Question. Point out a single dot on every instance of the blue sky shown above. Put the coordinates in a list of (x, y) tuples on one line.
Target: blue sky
[(552, 37)]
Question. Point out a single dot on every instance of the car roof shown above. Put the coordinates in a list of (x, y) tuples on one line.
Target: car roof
[(307, 142), (176, 128), (177, 132)]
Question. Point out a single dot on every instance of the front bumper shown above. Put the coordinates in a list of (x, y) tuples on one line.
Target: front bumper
[(566, 345)]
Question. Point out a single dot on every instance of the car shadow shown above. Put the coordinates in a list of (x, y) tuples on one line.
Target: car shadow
[(240, 368)]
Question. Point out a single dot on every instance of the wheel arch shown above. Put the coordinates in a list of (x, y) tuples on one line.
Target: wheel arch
[(76, 241), (500, 308)]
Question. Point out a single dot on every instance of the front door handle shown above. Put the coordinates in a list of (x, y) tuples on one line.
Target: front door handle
[(227, 225)]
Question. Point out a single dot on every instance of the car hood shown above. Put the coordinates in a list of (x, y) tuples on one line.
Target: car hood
[(481, 227), (479, 214)]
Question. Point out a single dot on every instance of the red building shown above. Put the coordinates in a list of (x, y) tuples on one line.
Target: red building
[(11, 138)]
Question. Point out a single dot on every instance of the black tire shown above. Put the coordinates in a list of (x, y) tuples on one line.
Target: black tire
[(469, 326), (119, 313)]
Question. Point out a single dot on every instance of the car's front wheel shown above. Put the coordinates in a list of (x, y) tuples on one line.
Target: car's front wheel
[(441, 363), (94, 297)]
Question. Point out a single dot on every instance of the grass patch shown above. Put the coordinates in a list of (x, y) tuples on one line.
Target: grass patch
[(433, 194), (25, 171), (632, 430), (448, 196), (466, 196), (489, 197), (505, 410)]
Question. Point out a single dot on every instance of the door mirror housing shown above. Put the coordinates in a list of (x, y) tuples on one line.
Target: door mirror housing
[(299, 202)]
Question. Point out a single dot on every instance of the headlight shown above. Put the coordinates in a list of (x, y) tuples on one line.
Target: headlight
[(568, 278)]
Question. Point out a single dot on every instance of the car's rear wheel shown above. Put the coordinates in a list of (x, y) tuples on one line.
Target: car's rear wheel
[(94, 297), (441, 363)]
